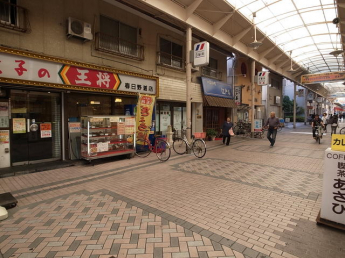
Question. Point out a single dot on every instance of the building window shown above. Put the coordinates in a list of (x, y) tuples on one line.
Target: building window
[(170, 54), (118, 38), (211, 70), (275, 84), (8, 12), (13, 16)]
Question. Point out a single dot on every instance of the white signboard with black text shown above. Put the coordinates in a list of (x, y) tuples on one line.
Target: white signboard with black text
[(263, 78), (333, 190), (201, 54)]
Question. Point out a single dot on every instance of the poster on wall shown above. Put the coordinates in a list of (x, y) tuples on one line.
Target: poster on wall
[(74, 127), (165, 120), (4, 122), (19, 125), (4, 136), (46, 130)]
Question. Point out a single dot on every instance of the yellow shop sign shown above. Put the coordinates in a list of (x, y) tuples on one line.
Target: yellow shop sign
[(338, 142)]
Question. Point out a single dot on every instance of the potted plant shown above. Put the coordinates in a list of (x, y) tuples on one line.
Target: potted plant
[(211, 134)]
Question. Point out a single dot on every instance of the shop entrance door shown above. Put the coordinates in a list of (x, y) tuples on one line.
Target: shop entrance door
[(35, 127)]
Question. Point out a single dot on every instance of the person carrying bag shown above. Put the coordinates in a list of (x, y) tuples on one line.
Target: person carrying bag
[(227, 126)]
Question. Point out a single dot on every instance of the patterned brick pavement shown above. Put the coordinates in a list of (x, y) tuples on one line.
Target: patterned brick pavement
[(243, 200)]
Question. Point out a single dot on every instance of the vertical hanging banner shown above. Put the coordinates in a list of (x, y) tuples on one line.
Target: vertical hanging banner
[(144, 114)]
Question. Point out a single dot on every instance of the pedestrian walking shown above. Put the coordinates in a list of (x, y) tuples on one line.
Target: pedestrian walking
[(334, 124), (225, 131), (325, 121), (272, 124)]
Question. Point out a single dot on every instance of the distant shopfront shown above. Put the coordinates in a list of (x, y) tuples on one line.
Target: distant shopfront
[(218, 102), (44, 94)]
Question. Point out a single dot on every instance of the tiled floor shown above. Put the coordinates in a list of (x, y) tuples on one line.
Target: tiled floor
[(242, 200)]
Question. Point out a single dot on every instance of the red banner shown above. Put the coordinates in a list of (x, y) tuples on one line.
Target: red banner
[(73, 75)]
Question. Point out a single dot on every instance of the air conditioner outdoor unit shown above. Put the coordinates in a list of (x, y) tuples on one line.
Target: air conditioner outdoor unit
[(79, 29)]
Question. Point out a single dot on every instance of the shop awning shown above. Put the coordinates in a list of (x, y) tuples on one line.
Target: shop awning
[(219, 102)]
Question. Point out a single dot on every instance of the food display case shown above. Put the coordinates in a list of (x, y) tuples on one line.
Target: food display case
[(105, 136)]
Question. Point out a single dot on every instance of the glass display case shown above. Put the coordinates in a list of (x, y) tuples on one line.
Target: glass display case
[(105, 136)]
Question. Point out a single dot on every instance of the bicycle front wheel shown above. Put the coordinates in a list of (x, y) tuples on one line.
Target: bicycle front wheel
[(342, 130), (180, 146), (142, 148), (199, 148), (163, 150)]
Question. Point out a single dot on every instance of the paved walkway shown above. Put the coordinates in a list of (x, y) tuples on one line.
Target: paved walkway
[(242, 200)]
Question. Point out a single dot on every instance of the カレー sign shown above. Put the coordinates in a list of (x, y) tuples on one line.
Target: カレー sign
[(338, 142), (46, 130)]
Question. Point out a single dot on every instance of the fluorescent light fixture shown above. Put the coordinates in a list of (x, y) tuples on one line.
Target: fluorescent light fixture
[(118, 100), (92, 102)]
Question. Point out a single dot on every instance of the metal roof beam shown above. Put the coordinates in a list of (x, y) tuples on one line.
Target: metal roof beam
[(221, 22), (192, 7), (264, 53), (240, 35)]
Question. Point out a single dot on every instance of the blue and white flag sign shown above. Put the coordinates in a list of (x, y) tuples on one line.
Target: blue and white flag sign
[(201, 54), (217, 88)]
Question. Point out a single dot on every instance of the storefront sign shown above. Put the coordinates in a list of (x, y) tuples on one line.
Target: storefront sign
[(216, 88), (136, 84), (201, 54), (338, 142), (24, 68), (263, 78), (238, 95), (74, 127), (4, 136), (144, 114), (322, 77), (46, 130), (19, 125), (257, 125), (333, 190), (310, 96)]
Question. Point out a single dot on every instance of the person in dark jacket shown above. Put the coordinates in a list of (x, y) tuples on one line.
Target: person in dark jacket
[(334, 124), (272, 124), (225, 131)]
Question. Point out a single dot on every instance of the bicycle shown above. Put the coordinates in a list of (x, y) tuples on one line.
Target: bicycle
[(318, 133), (143, 147), (181, 145), (242, 128)]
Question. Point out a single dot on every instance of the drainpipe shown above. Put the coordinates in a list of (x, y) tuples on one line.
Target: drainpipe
[(294, 105), (252, 74), (188, 82)]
